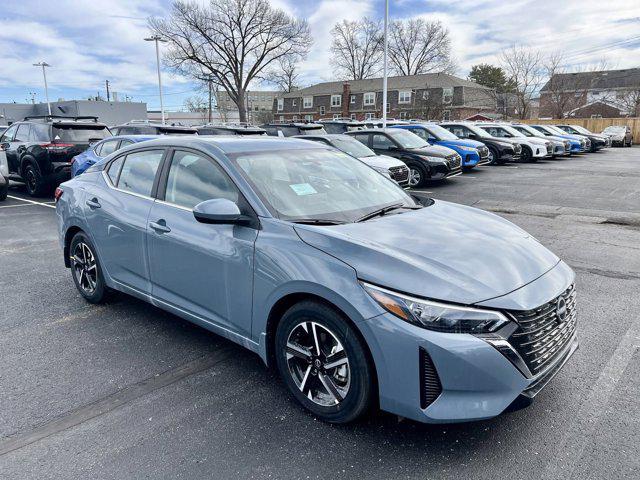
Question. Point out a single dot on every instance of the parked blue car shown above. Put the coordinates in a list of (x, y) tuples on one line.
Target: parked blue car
[(358, 293), (103, 148), (473, 153), (579, 144)]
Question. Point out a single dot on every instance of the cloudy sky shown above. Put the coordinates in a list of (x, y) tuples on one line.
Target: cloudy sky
[(89, 41)]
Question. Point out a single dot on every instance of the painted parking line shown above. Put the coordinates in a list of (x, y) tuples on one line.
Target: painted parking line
[(19, 205), (44, 204)]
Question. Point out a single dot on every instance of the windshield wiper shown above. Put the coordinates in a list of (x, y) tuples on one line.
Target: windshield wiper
[(380, 211), (317, 221)]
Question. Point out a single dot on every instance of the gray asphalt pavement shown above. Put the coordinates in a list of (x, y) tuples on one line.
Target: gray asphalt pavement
[(125, 390)]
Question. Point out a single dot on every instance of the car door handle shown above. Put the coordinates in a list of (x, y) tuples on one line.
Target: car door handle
[(160, 226), (93, 203)]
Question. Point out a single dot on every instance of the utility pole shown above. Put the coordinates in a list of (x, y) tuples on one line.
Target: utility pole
[(46, 87), (157, 39), (106, 82), (210, 94), (384, 76), (33, 97)]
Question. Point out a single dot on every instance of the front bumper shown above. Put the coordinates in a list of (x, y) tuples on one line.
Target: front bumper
[(476, 380)]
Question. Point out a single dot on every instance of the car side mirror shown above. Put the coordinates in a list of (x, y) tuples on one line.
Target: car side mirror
[(220, 211), (471, 135), (4, 146)]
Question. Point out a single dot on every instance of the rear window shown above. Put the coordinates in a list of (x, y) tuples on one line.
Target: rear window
[(79, 134), (313, 131), (175, 131)]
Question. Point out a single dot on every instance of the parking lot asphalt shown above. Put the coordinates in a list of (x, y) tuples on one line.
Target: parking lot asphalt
[(125, 390)]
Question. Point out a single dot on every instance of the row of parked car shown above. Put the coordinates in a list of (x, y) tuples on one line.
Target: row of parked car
[(44, 151)]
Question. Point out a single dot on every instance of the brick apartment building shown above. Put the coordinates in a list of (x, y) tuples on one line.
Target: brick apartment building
[(426, 96), (607, 93)]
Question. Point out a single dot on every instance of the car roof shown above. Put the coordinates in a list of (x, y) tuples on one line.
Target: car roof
[(373, 130), (235, 144), (329, 136)]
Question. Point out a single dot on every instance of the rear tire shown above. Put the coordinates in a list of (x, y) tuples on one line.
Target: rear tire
[(86, 269), (36, 187), (328, 372), (4, 190)]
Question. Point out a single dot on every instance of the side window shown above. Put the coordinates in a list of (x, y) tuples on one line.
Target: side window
[(22, 135), (139, 171), (125, 143), (459, 132), (107, 148), (7, 136), (114, 169), (382, 142), (194, 178), (39, 133), (362, 138)]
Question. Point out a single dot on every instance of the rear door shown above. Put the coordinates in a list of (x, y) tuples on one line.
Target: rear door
[(8, 161), (205, 270), (117, 210)]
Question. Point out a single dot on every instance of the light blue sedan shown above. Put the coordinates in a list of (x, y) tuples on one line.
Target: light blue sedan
[(360, 294)]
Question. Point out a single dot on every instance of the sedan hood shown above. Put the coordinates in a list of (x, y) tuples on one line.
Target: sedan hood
[(382, 161), (445, 251)]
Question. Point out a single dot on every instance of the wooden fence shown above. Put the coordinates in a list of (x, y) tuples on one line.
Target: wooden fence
[(595, 125)]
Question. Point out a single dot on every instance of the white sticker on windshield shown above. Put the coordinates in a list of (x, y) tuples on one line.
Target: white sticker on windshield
[(303, 189), (57, 137)]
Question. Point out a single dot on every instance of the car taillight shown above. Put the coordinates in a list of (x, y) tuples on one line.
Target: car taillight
[(73, 160), (56, 146), (58, 193)]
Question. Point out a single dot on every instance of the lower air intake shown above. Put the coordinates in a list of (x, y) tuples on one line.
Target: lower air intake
[(430, 387)]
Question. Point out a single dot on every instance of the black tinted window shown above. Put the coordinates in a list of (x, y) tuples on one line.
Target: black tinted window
[(139, 171), (382, 142), (40, 132), (22, 135), (334, 128), (194, 178), (79, 134), (290, 131), (362, 137)]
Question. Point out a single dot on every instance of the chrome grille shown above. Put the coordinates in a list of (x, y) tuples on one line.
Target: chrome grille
[(454, 161), (399, 174), (483, 151), (517, 149), (541, 335), (549, 148)]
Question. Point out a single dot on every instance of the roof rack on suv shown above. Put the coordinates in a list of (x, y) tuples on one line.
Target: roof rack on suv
[(64, 117)]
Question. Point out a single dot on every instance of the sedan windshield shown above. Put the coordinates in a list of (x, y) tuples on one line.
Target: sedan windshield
[(478, 131), (318, 184), (512, 131), (529, 131), (352, 147), (407, 139), (440, 133), (555, 130), (580, 129), (613, 129)]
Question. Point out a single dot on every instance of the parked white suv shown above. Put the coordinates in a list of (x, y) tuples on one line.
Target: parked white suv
[(533, 148)]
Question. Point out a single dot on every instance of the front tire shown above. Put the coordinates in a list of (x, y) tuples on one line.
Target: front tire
[(494, 157), (86, 269), (417, 176), (527, 155), (323, 362), (4, 190)]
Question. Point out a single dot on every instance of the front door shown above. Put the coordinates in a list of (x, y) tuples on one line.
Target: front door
[(205, 270), (117, 211)]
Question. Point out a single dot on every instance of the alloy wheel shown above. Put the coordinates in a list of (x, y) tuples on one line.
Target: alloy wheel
[(318, 363), (415, 177), (490, 157), (85, 268), (32, 182)]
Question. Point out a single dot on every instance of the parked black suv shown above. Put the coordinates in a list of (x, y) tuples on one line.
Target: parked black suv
[(39, 149), (292, 129), (500, 151), (144, 127), (230, 130), (597, 141), (425, 162), (341, 125)]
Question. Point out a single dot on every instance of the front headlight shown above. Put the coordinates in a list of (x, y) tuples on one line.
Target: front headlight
[(433, 159), (437, 316), (468, 149)]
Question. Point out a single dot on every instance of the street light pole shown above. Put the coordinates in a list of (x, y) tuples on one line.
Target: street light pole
[(46, 87), (157, 39), (384, 73)]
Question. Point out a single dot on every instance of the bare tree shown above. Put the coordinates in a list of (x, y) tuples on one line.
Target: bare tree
[(284, 75), (357, 49), (417, 46), (523, 67), (234, 41), (196, 104), (630, 101)]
